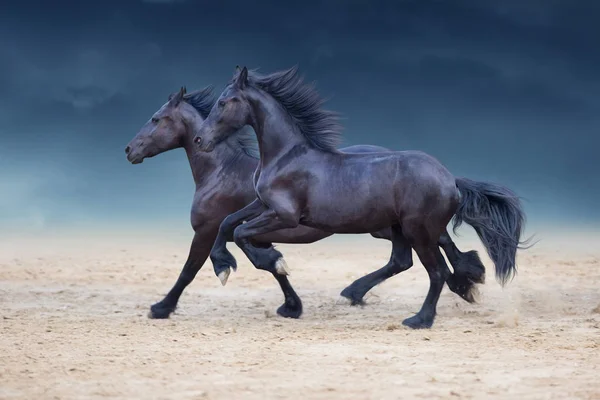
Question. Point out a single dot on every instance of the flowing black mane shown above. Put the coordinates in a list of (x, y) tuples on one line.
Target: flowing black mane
[(203, 100), (302, 101)]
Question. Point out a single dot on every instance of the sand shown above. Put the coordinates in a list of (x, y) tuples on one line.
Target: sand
[(73, 325)]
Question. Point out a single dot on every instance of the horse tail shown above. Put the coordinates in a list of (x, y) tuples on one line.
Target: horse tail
[(497, 216)]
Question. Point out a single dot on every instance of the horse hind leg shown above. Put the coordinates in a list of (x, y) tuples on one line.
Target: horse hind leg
[(400, 260), (425, 245), (468, 269)]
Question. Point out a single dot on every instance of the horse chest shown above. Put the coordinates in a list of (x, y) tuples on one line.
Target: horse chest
[(261, 188), (265, 186)]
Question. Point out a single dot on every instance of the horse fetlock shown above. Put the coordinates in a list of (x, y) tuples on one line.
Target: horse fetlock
[(224, 259), (269, 260), (354, 295)]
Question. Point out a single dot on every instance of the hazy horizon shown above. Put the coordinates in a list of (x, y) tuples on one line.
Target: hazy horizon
[(508, 93)]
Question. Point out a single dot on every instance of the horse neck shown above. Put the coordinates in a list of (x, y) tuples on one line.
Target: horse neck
[(202, 164), (275, 129), (225, 156)]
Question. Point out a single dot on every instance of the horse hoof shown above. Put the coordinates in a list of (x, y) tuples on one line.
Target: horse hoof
[(281, 267), (223, 259), (473, 295), (355, 299), (224, 275), (287, 311), (465, 288), (160, 311), (418, 322)]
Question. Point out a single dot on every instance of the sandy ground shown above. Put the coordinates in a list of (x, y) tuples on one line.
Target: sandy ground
[(74, 325)]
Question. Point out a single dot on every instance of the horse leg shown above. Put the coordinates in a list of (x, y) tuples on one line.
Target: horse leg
[(269, 259), (468, 269), (435, 264), (223, 261), (197, 256), (400, 260)]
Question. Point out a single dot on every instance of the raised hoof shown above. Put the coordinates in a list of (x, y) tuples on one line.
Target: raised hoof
[(160, 311), (287, 311), (281, 267), (468, 297), (223, 260), (473, 295), (224, 275), (418, 322), (355, 299), (466, 289)]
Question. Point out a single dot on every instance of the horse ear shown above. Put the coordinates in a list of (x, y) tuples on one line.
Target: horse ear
[(242, 78), (236, 72), (174, 100)]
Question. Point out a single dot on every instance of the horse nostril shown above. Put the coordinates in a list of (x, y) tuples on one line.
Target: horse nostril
[(127, 150)]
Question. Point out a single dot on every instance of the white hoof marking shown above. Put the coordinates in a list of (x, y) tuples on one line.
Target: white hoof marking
[(223, 276), (281, 267)]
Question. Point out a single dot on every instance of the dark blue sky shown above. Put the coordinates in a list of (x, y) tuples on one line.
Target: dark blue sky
[(507, 91)]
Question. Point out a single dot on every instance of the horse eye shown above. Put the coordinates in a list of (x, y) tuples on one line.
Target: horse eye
[(222, 103), (155, 120)]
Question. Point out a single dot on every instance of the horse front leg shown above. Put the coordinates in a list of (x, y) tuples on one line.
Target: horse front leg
[(198, 254), (270, 260), (223, 261)]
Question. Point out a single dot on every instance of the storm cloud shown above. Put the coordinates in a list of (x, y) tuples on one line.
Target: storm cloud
[(504, 91)]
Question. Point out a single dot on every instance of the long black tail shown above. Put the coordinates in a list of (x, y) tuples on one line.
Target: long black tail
[(496, 214)]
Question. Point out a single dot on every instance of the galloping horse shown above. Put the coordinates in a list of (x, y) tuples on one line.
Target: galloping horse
[(304, 180), (223, 181)]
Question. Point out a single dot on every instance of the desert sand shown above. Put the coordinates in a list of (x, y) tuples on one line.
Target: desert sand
[(74, 325)]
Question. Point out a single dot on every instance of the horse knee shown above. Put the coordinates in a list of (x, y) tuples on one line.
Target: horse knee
[(238, 237), (228, 224)]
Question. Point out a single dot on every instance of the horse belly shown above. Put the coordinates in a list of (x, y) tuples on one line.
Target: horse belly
[(348, 214), (300, 234)]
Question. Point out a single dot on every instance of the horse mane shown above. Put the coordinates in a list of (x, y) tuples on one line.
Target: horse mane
[(203, 101), (320, 127)]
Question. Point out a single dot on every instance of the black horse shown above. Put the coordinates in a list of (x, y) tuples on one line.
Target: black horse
[(304, 180), (223, 182)]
